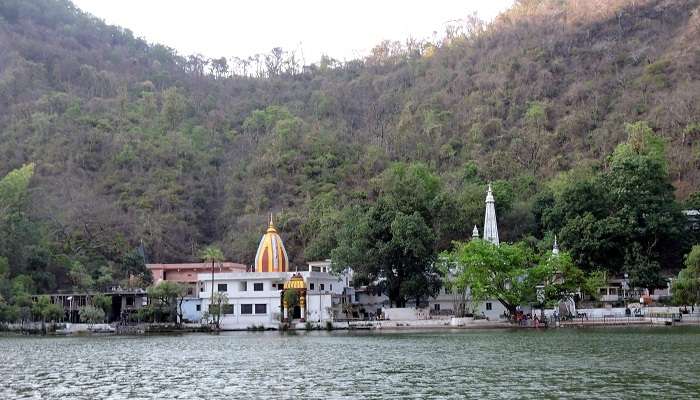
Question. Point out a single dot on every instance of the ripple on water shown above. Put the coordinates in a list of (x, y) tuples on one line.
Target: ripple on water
[(583, 364)]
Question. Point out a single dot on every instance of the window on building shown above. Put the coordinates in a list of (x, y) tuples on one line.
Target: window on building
[(261, 308), (315, 269), (198, 307), (437, 307), (201, 288), (603, 291), (331, 287), (246, 309), (258, 287), (222, 287), (311, 286), (244, 286), (227, 309), (357, 297), (129, 301), (323, 287), (190, 291), (488, 306)]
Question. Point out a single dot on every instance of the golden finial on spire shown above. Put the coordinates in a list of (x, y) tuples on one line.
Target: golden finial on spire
[(271, 225)]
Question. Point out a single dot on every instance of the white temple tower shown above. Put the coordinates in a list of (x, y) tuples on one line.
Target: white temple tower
[(490, 226)]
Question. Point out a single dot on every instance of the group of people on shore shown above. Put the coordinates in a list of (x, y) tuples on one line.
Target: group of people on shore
[(531, 319)]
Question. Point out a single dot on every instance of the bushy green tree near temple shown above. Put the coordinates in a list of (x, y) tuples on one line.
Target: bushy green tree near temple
[(102, 301), (620, 218), (391, 240), (91, 314), (561, 279), (216, 309), (506, 273), (166, 299), (686, 289), (43, 310), (514, 274)]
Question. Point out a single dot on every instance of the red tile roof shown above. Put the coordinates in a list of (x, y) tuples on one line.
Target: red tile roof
[(199, 266)]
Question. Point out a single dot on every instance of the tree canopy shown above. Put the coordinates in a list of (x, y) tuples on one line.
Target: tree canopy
[(515, 274), (686, 289), (392, 240), (623, 218)]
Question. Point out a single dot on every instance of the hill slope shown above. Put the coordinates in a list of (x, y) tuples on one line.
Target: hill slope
[(134, 143)]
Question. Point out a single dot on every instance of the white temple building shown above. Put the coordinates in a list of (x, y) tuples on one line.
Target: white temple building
[(256, 299)]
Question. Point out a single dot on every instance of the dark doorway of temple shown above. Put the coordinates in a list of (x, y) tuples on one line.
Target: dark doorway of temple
[(296, 314)]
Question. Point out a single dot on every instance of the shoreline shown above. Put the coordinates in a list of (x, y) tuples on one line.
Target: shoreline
[(368, 326)]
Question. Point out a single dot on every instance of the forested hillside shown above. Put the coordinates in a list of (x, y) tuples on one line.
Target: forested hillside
[(128, 143)]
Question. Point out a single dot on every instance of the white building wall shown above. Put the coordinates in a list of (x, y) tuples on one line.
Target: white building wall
[(319, 307), (190, 311), (240, 288), (491, 309)]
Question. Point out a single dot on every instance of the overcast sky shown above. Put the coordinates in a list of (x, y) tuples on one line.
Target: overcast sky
[(344, 30)]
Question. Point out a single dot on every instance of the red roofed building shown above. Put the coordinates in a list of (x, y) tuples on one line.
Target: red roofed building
[(186, 273)]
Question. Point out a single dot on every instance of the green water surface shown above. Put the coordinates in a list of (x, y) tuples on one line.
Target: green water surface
[(590, 363)]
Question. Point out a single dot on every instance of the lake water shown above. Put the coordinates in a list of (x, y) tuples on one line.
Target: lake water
[(591, 363)]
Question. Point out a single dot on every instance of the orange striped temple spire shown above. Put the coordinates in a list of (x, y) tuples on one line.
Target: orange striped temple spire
[(271, 255)]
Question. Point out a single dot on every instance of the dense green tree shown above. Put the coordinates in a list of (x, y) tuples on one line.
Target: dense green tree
[(561, 279), (134, 268), (693, 201), (514, 274), (216, 309), (80, 277), (166, 297), (91, 314), (43, 310), (505, 273), (15, 227), (173, 107), (13, 191), (9, 312), (620, 218), (102, 301), (391, 241), (686, 288)]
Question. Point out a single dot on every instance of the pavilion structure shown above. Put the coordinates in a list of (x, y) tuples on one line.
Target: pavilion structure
[(295, 284)]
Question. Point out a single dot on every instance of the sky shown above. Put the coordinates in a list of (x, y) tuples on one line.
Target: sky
[(227, 28)]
